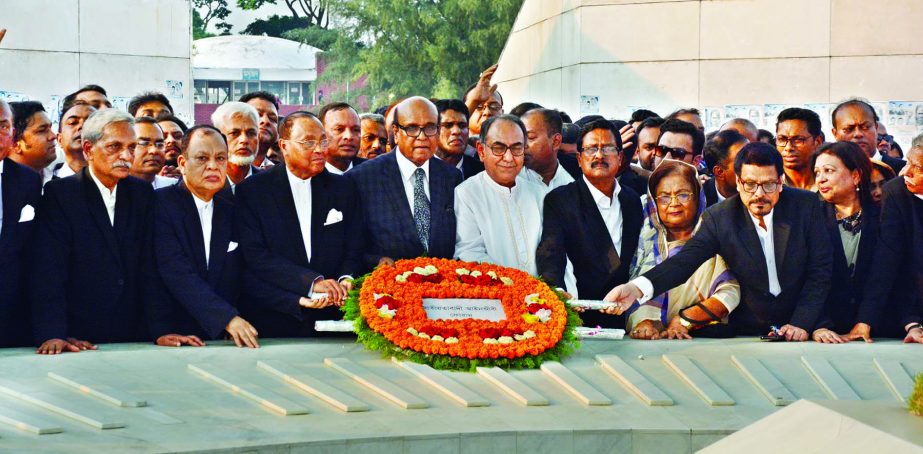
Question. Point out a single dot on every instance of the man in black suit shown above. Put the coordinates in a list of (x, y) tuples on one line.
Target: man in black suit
[(89, 248), (344, 129), (239, 122), (898, 259), (856, 121), (453, 137), (772, 241), (300, 233), (20, 190), (199, 266), (407, 198), (594, 221), (719, 154)]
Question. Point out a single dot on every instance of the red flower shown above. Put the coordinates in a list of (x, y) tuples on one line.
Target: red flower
[(533, 308), (506, 332), (467, 279), (385, 299), (433, 278), (415, 278)]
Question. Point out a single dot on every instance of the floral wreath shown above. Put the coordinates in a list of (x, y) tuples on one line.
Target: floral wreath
[(387, 309)]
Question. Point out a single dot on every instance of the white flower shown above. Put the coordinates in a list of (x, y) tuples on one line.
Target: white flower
[(437, 338), (529, 334), (505, 340), (490, 341), (423, 336), (532, 299), (386, 312), (475, 273), (462, 271), (431, 269), (420, 270), (519, 337), (400, 278), (412, 331), (543, 315), (452, 340), (506, 280), (492, 274)]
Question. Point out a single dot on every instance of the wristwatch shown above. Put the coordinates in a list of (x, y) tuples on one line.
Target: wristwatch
[(685, 323), (913, 326)]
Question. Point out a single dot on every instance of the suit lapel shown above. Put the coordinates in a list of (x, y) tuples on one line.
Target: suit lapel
[(98, 211), (781, 230), (192, 224), (746, 232), (288, 216), (10, 215), (438, 197), (221, 238), (320, 204)]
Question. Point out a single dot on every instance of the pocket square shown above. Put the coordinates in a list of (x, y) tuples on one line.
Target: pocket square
[(333, 216), (232, 246), (27, 214)]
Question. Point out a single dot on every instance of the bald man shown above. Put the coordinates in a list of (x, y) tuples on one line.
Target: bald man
[(745, 127), (407, 197)]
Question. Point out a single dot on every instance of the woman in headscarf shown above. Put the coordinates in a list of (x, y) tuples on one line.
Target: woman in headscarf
[(674, 207)]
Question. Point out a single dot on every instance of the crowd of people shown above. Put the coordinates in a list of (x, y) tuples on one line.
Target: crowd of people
[(255, 225)]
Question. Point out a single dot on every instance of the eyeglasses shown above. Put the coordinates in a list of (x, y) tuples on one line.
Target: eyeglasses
[(499, 149), (682, 197), (675, 153), (492, 106), (768, 187), (607, 150), (886, 137), (414, 130), (796, 141), (147, 143), (312, 144)]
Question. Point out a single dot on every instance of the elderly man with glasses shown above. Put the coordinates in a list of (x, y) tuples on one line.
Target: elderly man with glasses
[(499, 211), (770, 238)]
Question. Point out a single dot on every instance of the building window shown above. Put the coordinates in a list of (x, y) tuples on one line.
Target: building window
[(221, 91)]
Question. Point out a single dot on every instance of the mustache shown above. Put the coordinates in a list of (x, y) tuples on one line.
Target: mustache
[(600, 164), (121, 163)]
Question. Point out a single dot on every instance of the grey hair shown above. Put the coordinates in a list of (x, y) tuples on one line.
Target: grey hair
[(230, 109), (97, 122), (380, 119), (917, 142)]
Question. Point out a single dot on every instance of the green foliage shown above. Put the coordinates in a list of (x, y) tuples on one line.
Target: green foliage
[(204, 11), (198, 27), (372, 340), (275, 25), (915, 402), (321, 38), (418, 47)]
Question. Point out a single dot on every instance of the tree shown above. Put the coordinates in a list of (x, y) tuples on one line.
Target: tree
[(418, 47), (213, 10), (276, 25), (316, 11)]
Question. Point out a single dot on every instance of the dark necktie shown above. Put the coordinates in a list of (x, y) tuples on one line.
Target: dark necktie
[(421, 207)]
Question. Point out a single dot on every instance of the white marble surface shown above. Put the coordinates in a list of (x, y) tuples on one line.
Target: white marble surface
[(214, 418)]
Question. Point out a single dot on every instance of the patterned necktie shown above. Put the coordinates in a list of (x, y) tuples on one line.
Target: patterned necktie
[(421, 207)]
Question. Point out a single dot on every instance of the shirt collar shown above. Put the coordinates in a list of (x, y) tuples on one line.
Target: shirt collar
[(877, 155), (1, 166), (102, 188), (294, 181), (407, 167), (496, 187), (199, 203), (766, 220), (600, 198), (333, 169)]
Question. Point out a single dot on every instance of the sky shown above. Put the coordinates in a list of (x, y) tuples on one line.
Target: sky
[(240, 18)]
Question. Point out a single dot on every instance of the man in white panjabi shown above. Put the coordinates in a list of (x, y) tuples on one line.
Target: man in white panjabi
[(499, 213)]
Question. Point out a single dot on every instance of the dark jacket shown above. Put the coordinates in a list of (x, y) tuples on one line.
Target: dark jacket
[(86, 273), (803, 261), (574, 229), (388, 226), (897, 265), (193, 298), (274, 252), (21, 187)]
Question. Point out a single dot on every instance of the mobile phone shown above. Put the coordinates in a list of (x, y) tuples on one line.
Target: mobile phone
[(771, 338)]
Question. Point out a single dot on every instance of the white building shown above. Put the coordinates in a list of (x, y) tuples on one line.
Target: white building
[(54, 47), (226, 67)]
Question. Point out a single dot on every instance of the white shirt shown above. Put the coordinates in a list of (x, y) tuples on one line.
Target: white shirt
[(1, 196), (611, 211), (231, 182), (560, 178), (206, 211), (64, 171), (767, 243), (497, 224), (47, 173), (162, 182), (334, 170), (407, 168), (721, 198), (877, 155), (108, 197), (301, 193)]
